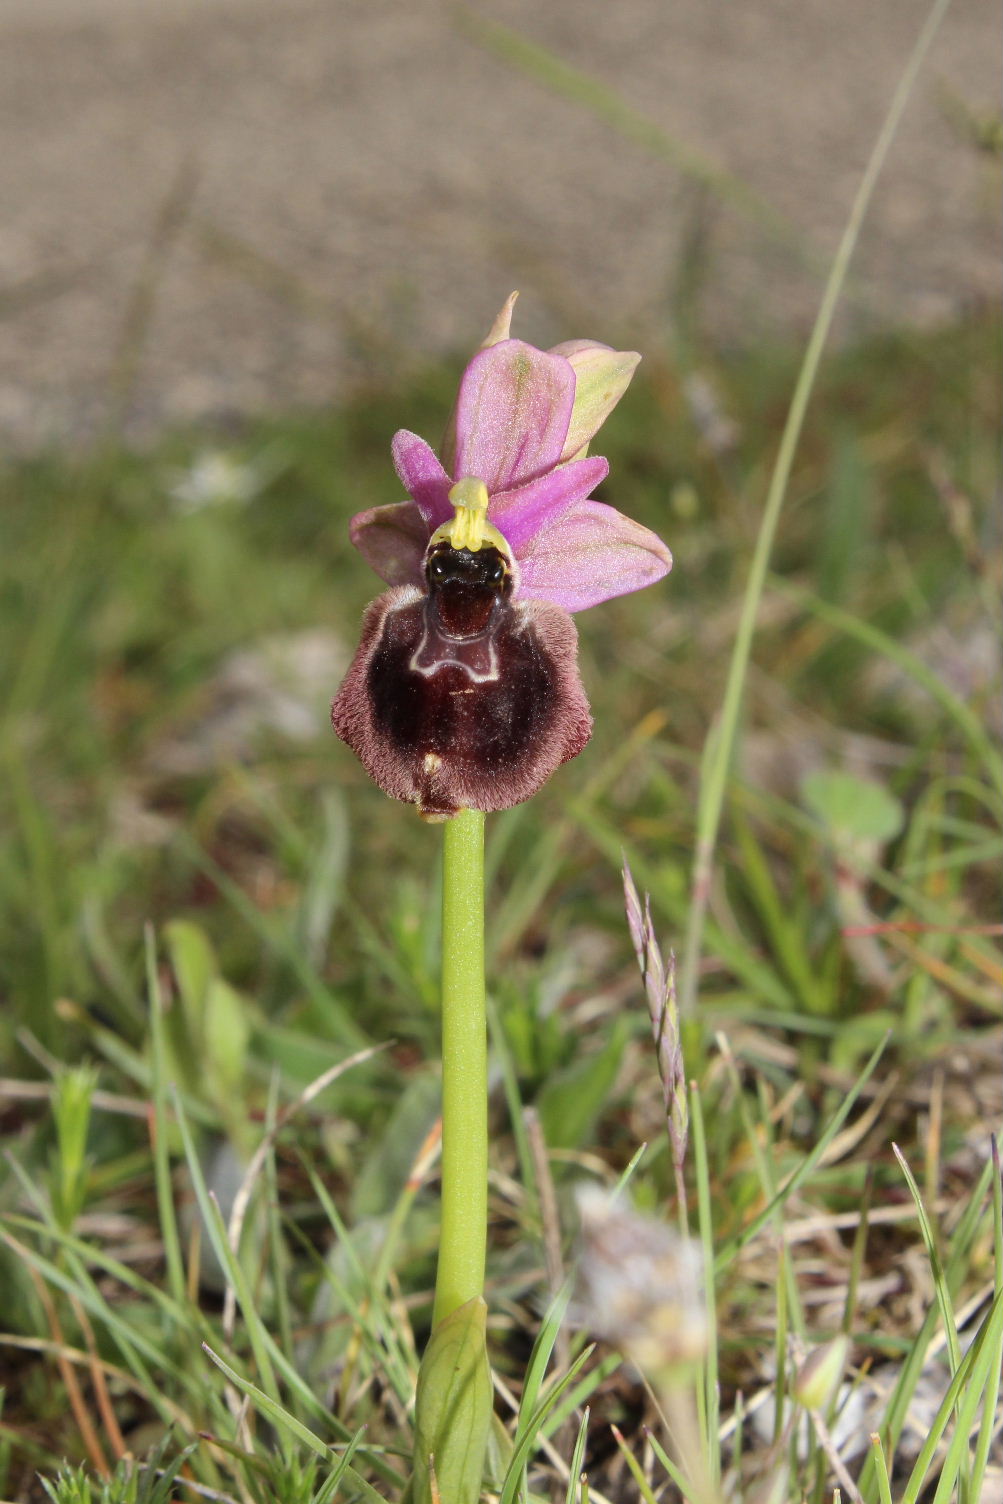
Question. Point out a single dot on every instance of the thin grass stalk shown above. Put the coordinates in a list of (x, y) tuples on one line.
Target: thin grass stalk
[(130, 1341), (533, 1427), (780, 1350), (714, 782), (983, 1371), (543, 1349), (877, 1458), (707, 1392), (954, 1400), (956, 709), (229, 1262), (896, 1407), (609, 106), (858, 1253), (580, 1394), (808, 1165), (337, 1018), (401, 1210), (940, 1285), (578, 1457), (991, 1401), (637, 1473), (287, 1425), (371, 1317), (513, 1102), (275, 1243)]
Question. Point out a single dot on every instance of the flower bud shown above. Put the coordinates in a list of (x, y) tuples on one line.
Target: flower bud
[(817, 1381)]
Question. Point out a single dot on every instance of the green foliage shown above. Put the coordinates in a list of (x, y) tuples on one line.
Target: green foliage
[(71, 1109), (208, 1029), (166, 762), (853, 809), (153, 1482), (572, 1100)]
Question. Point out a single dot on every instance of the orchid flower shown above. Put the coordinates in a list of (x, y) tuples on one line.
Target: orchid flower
[(465, 691), (463, 697)]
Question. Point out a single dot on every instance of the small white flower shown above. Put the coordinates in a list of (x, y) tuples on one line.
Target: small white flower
[(217, 478), (641, 1284)]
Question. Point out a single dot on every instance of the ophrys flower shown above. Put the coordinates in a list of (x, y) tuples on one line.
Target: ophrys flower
[(465, 689)]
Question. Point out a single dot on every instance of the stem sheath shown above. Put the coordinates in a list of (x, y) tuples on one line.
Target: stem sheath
[(460, 1275)]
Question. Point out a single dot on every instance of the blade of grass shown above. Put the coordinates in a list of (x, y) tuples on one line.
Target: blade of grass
[(577, 1458), (708, 1392), (897, 1407), (543, 1349), (712, 787), (760, 978), (609, 106), (936, 1267), (782, 925), (264, 1152), (637, 1473), (268, 1357), (963, 1393), (372, 1318), (760, 1138), (159, 1130), (502, 1058), (732, 1248), (421, 1168), (877, 1458), (541, 867), (177, 1315), (130, 1341), (675, 1473), (328, 1490), (987, 1429), (633, 1164), (780, 1353), (282, 944), (287, 1424), (580, 1394), (528, 1430), (311, 1403), (871, 636), (857, 1254), (212, 1220)]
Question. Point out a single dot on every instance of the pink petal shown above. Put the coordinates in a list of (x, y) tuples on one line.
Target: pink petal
[(512, 414), (602, 376), (589, 554), (423, 477), (521, 513), (392, 540), (500, 329)]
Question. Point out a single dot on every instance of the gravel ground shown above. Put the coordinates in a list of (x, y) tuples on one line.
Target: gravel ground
[(221, 207)]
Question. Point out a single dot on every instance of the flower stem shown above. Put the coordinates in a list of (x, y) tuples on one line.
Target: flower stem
[(463, 1241)]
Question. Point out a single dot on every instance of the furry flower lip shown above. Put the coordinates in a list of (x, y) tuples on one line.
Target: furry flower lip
[(464, 691)]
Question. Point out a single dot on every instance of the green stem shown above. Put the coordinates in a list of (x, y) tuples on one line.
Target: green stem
[(463, 1240)]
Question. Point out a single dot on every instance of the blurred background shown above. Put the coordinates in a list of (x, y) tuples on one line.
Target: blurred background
[(214, 206), (242, 242)]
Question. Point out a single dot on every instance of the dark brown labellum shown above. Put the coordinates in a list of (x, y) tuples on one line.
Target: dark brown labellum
[(463, 697)]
